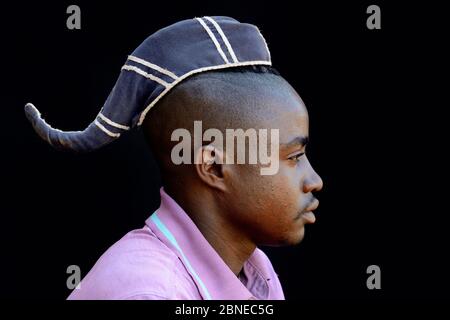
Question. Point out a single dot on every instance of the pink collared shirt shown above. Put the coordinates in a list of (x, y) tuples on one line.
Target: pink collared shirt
[(169, 258)]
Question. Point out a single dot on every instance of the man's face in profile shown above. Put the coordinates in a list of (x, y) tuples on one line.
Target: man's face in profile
[(274, 209), (267, 209)]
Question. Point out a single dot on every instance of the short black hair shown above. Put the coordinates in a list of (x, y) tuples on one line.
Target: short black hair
[(251, 69)]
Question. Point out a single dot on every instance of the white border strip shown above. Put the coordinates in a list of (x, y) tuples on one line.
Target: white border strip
[(153, 66), (224, 38), (213, 38), (145, 74), (190, 73), (109, 133), (112, 123)]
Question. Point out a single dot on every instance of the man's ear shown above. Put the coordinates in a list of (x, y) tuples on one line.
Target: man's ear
[(209, 166)]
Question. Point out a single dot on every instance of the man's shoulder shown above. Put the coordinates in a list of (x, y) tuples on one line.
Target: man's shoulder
[(137, 266)]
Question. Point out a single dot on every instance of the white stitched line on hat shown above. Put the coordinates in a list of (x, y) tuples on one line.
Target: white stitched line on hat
[(213, 38), (224, 38), (153, 66), (145, 74), (112, 123), (109, 133), (199, 70)]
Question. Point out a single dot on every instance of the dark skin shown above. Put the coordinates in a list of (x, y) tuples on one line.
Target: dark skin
[(234, 206)]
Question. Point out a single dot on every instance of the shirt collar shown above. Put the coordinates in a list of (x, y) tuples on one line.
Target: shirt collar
[(213, 278)]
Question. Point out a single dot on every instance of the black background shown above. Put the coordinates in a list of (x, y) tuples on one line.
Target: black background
[(377, 140)]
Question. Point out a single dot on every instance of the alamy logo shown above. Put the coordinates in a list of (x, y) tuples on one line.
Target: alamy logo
[(73, 281), (374, 20), (258, 142), (374, 280), (74, 20)]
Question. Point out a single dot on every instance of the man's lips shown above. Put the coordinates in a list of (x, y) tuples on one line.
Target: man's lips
[(308, 214), (313, 206)]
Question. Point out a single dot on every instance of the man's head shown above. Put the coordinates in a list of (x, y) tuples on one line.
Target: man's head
[(167, 81), (269, 209)]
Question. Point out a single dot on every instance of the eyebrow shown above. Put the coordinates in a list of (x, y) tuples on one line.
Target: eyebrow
[(297, 141)]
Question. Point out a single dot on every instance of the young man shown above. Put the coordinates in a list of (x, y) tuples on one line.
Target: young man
[(202, 241)]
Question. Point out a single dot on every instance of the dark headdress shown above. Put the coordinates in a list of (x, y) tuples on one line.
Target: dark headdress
[(163, 60)]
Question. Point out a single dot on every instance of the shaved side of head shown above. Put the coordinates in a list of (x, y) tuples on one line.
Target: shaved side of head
[(235, 98)]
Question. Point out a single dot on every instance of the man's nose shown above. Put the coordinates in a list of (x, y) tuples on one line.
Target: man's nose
[(313, 182)]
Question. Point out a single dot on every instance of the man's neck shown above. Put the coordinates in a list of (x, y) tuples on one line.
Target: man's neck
[(232, 247), (229, 242)]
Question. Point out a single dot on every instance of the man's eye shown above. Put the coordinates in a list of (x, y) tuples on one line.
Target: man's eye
[(296, 157)]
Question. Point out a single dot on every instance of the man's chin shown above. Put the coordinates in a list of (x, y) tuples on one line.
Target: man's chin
[(298, 237), (292, 239)]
